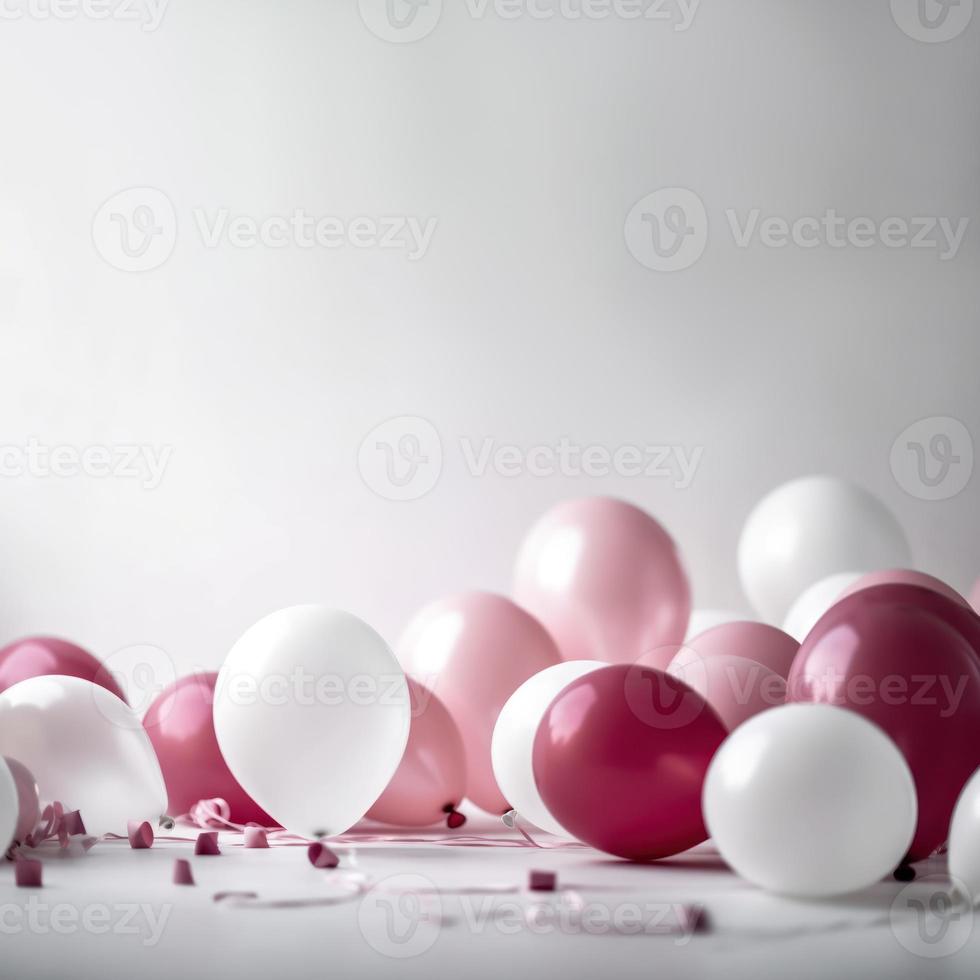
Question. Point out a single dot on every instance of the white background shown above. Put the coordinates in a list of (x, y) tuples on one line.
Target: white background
[(526, 321)]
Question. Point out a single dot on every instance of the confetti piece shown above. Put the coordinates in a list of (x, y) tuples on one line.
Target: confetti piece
[(256, 837), (223, 896), (27, 873), (182, 872), (542, 881), (321, 856), (454, 819), (72, 823), (207, 843), (140, 835)]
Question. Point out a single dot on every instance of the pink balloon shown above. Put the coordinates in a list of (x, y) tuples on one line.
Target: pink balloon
[(474, 650), (905, 658), (760, 642), (431, 779), (181, 727), (28, 799), (904, 576), (37, 656), (605, 579), (736, 688), (620, 759)]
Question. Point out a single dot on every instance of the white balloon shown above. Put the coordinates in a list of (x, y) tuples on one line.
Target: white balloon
[(9, 806), (512, 747), (85, 748), (814, 601), (706, 619), (808, 529), (964, 841), (312, 715), (810, 800)]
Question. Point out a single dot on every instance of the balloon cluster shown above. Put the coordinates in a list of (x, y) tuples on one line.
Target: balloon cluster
[(821, 745)]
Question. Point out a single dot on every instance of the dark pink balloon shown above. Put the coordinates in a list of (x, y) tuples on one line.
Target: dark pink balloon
[(760, 642), (37, 656), (474, 650), (28, 800), (181, 727), (904, 576), (975, 596), (906, 658), (430, 781), (620, 759), (605, 579)]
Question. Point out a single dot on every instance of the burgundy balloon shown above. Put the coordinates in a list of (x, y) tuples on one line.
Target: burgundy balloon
[(975, 596), (903, 576), (181, 727), (430, 781), (37, 656), (28, 800), (620, 759), (908, 659)]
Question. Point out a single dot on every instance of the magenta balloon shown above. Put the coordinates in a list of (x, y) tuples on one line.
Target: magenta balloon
[(37, 656), (760, 642), (620, 759), (474, 650), (431, 779), (894, 654), (28, 799), (903, 576), (180, 725), (605, 579)]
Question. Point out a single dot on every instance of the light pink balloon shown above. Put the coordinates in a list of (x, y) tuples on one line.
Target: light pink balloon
[(605, 579), (975, 595), (28, 800), (760, 642), (736, 687), (903, 576), (474, 650), (430, 781)]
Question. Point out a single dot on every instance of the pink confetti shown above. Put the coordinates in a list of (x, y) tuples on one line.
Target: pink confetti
[(140, 835), (321, 856), (182, 872), (455, 819), (256, 837), (207, 843), (542, 881), (27, 873), (72, 823)]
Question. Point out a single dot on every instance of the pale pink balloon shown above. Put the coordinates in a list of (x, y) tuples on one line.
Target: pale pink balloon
[(28, 800), (904, 576), (760, 642), (605, 579), (736, 687), (474, 650), (975, 595), (430, 781)]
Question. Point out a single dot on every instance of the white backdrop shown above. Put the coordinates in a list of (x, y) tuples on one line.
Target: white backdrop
[(479, 265)]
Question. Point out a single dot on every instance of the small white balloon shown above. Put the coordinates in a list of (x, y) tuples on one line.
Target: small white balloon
[(810, 800), (808, 529), (706, 619), (512, 748), (85, 748), (312, 715), (814, 601), (964, 841), (9, 806)]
